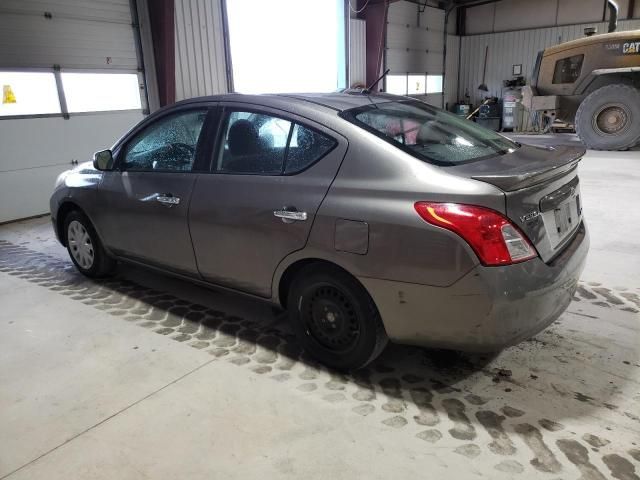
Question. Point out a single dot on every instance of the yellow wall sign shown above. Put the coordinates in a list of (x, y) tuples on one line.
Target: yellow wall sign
[(7, 94)]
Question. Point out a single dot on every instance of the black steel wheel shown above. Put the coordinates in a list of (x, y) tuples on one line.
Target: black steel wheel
[(335, 319), (330, 317)]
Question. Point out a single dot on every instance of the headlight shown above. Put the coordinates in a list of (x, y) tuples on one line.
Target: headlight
[(61, 178)]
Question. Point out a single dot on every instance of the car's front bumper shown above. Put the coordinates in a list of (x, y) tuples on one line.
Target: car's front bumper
[(486, 310)]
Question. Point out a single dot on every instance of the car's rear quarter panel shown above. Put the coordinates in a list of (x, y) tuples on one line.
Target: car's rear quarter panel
[(379, 184)]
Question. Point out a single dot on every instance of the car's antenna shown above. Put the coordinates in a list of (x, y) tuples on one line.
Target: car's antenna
[(367, 90)]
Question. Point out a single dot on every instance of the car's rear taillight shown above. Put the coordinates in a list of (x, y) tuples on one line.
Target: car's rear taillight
[(491, 235)]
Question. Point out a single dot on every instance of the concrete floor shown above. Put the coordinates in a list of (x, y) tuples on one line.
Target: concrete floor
[(142, 376)]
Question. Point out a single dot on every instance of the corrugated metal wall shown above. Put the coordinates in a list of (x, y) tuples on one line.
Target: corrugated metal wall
[(357, 52), (200, 60), (82, 34), (513, 48)]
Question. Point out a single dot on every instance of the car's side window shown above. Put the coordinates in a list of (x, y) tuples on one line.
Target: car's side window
[(306, 147), (261, 144), (167, 145), (253, 143)]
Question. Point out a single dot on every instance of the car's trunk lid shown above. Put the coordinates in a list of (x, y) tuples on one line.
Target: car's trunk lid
[(523, 167), (542, 192)]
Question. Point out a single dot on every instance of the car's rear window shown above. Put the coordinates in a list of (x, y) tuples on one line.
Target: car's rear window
[(429, 133)]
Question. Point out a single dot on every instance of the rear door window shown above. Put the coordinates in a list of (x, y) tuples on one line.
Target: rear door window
[(253, 143), (307, 147), (260, 144)]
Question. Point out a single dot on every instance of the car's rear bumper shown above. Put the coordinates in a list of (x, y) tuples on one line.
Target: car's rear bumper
[(486, 310)]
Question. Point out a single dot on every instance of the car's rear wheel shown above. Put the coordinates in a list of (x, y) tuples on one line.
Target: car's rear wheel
[(335, 319), (84, 246)]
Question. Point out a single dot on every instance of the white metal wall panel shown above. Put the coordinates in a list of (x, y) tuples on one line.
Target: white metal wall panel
[(414, 42), (403, 13), (200, 59), (98, 10), (480, 19), (74, 34), (581, 11), (28, 169), (414, 61), (518, 14), (526, 14), (357, 52), (512, 48), (83, 34)]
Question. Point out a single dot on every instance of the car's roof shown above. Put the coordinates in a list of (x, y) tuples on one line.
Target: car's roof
[(338, 101)]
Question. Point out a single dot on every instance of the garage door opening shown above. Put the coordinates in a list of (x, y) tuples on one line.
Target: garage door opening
[(278, 47)]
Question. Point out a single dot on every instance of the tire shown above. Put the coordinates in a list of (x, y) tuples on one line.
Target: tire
[(609, 118), (351, 334), (84, 246)]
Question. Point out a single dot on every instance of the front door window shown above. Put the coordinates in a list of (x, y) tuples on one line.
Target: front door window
[(167, 145)]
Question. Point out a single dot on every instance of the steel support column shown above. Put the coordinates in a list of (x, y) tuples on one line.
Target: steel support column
[(162, 17), (375, 14)]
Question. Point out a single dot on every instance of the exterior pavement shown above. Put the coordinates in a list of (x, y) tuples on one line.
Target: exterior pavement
[(143, 376)]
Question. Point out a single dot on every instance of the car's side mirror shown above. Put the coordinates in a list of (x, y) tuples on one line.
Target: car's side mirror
[(103, 160)]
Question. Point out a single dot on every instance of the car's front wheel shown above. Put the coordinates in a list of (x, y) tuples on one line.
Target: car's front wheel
[(335, 319), (85, 248)]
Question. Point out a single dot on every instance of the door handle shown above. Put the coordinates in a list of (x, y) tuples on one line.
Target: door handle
[(290, 215), (168, 199)]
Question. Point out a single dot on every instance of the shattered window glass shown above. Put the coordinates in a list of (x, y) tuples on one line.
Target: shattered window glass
[(254, 144), (429, 134), (307, 146), (167, 145)]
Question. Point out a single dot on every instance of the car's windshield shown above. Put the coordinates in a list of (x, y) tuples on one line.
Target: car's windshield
[(429, 133)]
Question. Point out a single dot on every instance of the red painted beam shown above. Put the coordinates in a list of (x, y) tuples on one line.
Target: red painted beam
[(375, 14), (161, 13)]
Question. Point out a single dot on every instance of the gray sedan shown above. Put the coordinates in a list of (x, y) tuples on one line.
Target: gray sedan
[(367, 217)]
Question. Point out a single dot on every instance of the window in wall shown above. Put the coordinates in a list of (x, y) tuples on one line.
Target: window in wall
[(568, 69), (417, 84), (96, 92), (287, 45), (434, 83), (396, 84), (413, 84), (168, 144), (28, 93)]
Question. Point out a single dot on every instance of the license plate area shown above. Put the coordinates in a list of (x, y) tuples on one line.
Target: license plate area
[(562, 212), (564, 219)]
